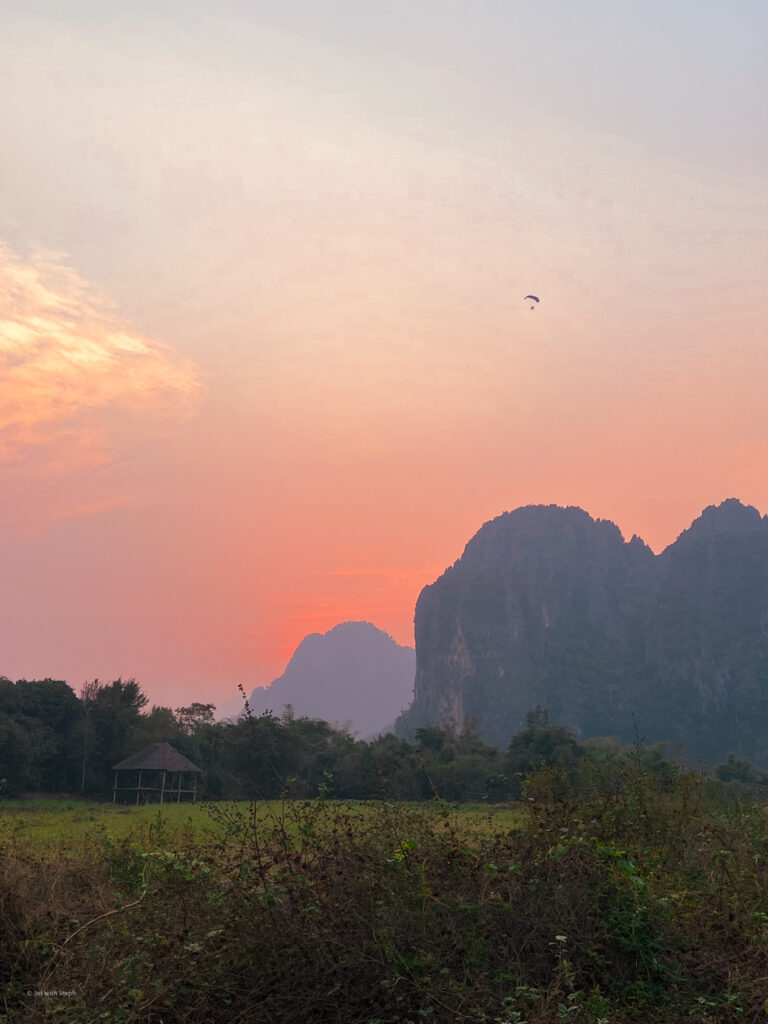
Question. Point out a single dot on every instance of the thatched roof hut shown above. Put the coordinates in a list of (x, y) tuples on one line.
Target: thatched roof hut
[(156, 773)]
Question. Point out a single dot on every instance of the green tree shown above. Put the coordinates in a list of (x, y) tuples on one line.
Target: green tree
[(540, 745), (116, 733), (260, 759), (471, 777), (194, 717), (49, 711), (161, 725), (741, 769), (538, 718), (430, 737), (394, 770), (14, 756), (88, 693), (288, 715)]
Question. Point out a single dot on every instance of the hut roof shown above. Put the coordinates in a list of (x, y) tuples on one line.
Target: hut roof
[(158, 756)]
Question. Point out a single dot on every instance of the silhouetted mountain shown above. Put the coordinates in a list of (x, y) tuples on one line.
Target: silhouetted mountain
[(550, 607), (354, 673), (230, 708)]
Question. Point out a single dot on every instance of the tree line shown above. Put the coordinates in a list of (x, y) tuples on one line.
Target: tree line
[(53, 740)]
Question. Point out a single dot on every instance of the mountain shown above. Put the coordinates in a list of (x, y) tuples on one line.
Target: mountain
[(353, 673), (548, 606), (229, 708)]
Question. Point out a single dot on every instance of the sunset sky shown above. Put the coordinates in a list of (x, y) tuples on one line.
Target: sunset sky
[(264, 360)]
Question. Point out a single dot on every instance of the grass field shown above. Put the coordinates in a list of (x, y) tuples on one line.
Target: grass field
[(51, 822)]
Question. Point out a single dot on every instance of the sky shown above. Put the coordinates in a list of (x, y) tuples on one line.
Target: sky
[(265, 363)]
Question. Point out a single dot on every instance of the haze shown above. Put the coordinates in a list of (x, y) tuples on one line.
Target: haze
[(265, 365)]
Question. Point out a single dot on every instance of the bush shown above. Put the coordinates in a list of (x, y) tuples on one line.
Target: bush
[(624, 902)]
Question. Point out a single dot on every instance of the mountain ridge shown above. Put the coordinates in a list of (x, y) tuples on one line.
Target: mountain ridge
[(549, 606)]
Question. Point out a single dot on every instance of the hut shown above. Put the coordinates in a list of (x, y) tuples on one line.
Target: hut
[(158, 772)]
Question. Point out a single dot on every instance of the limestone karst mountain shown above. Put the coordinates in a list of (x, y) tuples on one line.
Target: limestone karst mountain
[(354, 673), (548, 606)]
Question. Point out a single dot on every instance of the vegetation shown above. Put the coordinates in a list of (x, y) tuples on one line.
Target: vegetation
[(52, 741), (594, 883), (616, 897)]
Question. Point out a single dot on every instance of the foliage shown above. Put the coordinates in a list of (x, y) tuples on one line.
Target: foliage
[(51, 741), (741, 769), (36, 722), (613, 899), (538, 745)]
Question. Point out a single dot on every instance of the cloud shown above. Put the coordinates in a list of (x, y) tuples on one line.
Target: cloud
[(75, 379)]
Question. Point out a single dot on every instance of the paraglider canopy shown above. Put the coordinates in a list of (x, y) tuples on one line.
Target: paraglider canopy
[(534, 297)]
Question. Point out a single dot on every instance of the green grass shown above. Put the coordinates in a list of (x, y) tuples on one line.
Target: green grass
[(53, 822), (56, 823)]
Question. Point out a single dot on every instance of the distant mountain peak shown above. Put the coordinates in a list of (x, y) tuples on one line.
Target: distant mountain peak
[(509, 539), (353, 672), (360, 627), (345, 638), (730, 516)]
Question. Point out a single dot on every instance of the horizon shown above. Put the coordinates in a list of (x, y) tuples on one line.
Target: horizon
[(265, 360), (225, 703)]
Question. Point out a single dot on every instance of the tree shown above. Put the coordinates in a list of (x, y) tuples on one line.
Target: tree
[(88, 693), (14, 756), (315, 747), (115, 718), (49, 711), (540, 745), (288, 715), (741, 769), (194, 717), (397, 770), (430, 737), (466, 777), (260, 760), (538, 718), (159, 726)]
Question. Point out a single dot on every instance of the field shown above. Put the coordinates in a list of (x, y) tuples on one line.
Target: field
[(65, 824), (608, 905)]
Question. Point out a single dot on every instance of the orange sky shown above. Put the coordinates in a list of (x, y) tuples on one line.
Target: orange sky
[(264, 360)]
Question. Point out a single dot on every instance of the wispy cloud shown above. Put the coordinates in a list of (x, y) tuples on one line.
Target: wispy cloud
[(71, 369)]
